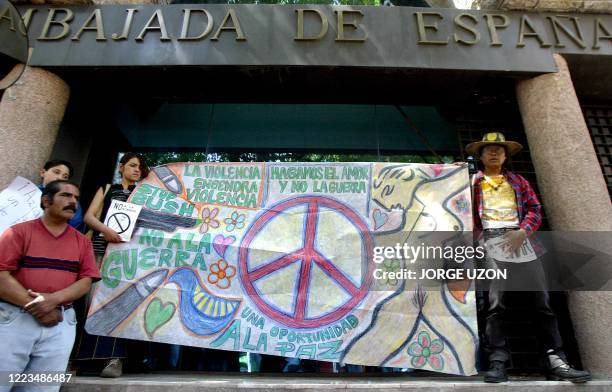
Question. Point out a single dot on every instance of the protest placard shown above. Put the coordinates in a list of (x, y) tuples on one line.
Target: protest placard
[(19, 202)]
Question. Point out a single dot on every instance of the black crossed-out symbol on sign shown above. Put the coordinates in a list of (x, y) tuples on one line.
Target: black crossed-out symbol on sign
[(120, 222)]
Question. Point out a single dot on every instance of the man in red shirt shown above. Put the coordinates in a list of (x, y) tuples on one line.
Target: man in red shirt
[(45, 265)]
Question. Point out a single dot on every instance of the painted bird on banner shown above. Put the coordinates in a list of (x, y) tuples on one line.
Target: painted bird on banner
[(202, 312)]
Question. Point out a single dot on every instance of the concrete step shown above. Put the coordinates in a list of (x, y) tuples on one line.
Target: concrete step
[(187, 382)]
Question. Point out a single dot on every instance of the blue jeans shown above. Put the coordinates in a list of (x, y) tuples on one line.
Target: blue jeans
[(27, 346)]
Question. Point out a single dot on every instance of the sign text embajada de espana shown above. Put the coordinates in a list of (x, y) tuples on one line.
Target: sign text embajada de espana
[(310, 35)]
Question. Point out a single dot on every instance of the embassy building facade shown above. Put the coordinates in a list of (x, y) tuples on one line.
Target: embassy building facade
[(407, 81)]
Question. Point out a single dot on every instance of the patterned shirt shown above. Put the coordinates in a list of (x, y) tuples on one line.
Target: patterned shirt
[(528, 205)]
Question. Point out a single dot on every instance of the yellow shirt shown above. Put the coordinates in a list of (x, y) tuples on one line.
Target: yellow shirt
[(499, 203)]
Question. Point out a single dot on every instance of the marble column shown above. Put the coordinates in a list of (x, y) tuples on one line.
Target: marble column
[(30, 115), (574, 193)]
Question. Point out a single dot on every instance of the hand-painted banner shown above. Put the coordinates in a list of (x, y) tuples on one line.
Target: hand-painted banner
[(277, 258)]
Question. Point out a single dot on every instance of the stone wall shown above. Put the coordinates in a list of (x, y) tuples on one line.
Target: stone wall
[(595, 6)]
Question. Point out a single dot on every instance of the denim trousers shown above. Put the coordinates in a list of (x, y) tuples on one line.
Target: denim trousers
[(28, 346)]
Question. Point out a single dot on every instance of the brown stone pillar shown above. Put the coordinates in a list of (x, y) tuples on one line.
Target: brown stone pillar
[(574, 193), (30, 114)]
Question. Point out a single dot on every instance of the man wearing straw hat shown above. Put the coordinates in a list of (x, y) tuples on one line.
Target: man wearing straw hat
[(506, 205)]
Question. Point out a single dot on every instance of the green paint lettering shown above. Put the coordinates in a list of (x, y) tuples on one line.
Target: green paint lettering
[(192, 171), (246, 344), (262, 342), (205, 243), (284, 348), (186, 209), (170, 207), (181, 256), (175, 241), (233, 332), (146, 258), (111, 274), (352, 320), (151, 237), (307, 351), (130, 262), (165, 255), (189, 245), (198, 262), (331, 352)]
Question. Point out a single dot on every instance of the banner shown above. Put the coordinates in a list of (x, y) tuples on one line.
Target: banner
[(278, 258)]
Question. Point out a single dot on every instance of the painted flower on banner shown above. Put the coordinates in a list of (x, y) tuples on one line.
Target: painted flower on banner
[(462, 205), (235, 221), (208, 219), (425, 350), (391, 265), (221, 274)]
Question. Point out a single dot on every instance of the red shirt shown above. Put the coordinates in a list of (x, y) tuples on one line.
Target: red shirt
[(45, 263)]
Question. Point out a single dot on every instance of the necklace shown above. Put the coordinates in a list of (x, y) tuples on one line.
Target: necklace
[(495, 184)]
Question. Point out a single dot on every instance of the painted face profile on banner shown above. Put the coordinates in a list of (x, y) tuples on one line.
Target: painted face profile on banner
[(13, 45)]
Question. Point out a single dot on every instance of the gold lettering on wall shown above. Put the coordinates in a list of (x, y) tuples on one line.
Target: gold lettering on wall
[(491, 18), (557, 26), (527, 24), (161, 26), (185, 27), (127, 26), (44, 35), (422, 28), (27, 17), (300, 25), (98, 27), (235, 26), (6, 14), (599, 29), (470, 29), (342, 23)]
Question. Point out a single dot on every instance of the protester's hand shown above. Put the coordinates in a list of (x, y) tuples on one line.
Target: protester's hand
[(51, 319), (41, 304), (515, 240), (111, 235)]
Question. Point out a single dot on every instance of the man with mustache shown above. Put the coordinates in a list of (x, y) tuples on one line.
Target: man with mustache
[(45, 264)]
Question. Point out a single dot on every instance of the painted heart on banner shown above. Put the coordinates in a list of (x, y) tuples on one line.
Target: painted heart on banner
[(157, 314), (221, 242), (380, 218)]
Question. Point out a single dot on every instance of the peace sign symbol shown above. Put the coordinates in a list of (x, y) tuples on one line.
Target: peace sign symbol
[(308, 256)]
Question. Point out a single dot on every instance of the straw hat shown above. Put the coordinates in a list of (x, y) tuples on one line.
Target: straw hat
[(496, 138)]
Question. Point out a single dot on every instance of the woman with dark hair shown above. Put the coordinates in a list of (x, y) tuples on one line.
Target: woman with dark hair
[(133, 168)]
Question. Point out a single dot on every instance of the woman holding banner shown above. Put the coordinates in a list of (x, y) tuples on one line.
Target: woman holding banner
[(133, 168)]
